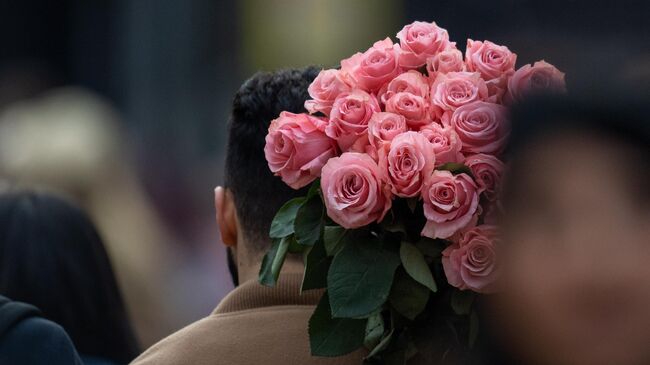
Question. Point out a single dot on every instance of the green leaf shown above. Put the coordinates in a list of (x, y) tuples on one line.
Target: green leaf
[(308, 224), (461, 301), (316, 266), (273, 260), (294, 247), (383, 345), (374, 330), (412, 203), (456, 168), (360, 278), (416, 266), (334, 237), (314, 189), (334, 336), (282, 224), (408, 297), (473, 329)]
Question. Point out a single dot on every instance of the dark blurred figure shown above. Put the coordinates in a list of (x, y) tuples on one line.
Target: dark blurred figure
[(28, 339), (576, 250), (52, 257)]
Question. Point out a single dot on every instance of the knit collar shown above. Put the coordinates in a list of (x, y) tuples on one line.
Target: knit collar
[(251, 295)]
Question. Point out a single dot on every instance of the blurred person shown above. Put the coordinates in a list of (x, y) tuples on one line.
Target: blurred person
[(576, 235), (69, 140), (28, 339), (51, 256), (253, 324)]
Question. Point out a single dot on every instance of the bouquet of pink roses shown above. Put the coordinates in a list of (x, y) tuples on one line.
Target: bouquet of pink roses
[(403, 149)]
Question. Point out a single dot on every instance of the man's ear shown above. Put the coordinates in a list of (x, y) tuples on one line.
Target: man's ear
[(226, 216)]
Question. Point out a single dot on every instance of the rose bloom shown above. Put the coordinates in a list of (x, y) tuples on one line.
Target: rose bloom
[(410, 161), (482, 127), (471, 262), (374, 68), (450, 204), (538, 78), (445, 141), (325, 88), (297, 148), (383, 127), (413, 107), (355, 190), (412, 82), (349, 117), (421, 40), (450, 60), (490, 60), (487, 171), (455, 89)]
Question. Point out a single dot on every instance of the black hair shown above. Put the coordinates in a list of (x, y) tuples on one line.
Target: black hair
[(622, 117), (51, 256), (257, 193)]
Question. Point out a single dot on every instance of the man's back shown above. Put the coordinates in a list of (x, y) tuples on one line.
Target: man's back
[(252, 325)]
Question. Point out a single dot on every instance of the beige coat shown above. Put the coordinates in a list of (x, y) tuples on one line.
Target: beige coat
[(252, 325)]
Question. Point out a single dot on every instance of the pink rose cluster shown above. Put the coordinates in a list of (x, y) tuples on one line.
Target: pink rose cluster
[(396, 122)]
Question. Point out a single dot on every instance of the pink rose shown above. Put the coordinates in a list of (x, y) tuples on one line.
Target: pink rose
[(471, 262), (375, 67), (412, 82), (540, 77), (482, 127), (410, 162), (450, 60), (325, 88), (487, 171), (383, 127), (296, 148), (455, 89), (413, 107), (421, 40), (355, 191), (349, 117), (490, 60), (450, 204), (446, 144)]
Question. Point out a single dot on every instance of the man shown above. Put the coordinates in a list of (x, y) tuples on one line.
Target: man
[(253, 324)]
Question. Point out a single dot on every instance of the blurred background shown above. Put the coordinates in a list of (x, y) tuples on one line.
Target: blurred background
[(123, 105)]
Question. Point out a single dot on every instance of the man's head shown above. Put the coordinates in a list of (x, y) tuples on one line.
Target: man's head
[(252, 195)]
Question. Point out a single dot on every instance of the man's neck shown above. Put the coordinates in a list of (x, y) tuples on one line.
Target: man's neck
[(292, 265)]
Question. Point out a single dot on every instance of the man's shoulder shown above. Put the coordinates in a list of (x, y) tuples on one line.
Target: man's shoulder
[(271, 335)]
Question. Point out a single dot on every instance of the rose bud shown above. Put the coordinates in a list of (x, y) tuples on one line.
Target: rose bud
[(450, 204), (471, 262), (445, 141), (542, 77), (450, 60), (349, 117), (297, 148), (374, 68), (383, 127), (487, 171), (482, 127), (413, 107), (409, 162), (325, 88), (355, 190), (455, 89), (421, 40)]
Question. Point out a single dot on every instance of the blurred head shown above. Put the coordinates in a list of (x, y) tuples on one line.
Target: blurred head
[(51, 256), (576, 230), (252, 195)]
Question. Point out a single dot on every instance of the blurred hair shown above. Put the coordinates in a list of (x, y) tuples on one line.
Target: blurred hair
[(257, 193), (621, 117), (51, 256)]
